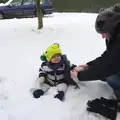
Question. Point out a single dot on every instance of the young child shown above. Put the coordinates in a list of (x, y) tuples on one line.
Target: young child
[(54, 71)]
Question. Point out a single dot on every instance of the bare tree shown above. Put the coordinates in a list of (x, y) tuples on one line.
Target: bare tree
[(39, 14)]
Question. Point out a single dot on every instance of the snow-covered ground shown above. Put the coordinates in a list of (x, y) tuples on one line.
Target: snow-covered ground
[(7, 3), (21, 45)]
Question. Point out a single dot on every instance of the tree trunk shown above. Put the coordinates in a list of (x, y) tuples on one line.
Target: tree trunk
[(39, 14)]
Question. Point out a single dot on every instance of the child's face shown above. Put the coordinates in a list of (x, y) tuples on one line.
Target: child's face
[(56, 58)]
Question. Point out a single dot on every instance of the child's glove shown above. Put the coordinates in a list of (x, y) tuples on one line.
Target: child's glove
[(40, 80), (60, 95), (104, 107), (37, 93)]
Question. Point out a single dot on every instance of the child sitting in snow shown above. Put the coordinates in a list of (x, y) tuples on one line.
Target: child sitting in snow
[(54, 71)]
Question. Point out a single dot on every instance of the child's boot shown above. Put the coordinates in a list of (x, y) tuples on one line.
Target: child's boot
[(60, 95), (37, 93)]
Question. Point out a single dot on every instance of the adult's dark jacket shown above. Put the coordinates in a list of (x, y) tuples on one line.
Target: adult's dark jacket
[(107, 64)]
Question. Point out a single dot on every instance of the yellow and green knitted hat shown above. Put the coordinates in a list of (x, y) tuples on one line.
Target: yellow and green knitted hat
[(50, 51)]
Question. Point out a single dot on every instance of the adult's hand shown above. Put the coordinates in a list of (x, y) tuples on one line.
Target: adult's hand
[(74, 74), (81, 68), (84, 66)]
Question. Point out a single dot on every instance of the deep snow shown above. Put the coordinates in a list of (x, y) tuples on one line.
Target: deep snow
[(21, 45)]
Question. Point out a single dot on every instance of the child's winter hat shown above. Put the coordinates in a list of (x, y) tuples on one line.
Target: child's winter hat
[(50, 51)]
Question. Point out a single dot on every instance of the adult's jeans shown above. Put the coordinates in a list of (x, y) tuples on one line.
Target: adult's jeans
[(114, 82)]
